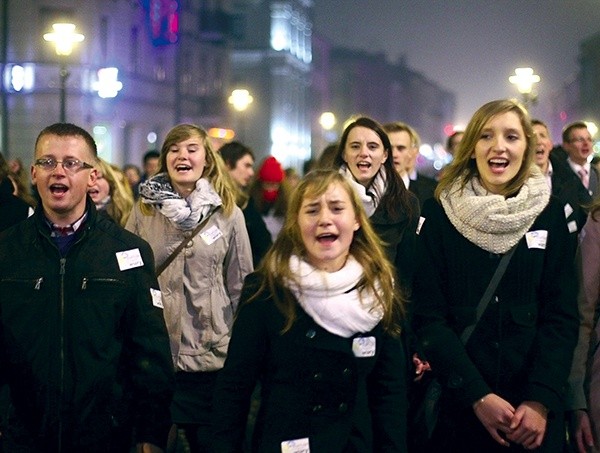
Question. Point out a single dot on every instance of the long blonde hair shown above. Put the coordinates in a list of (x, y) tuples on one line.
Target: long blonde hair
[(214, 171), (120, 193), (463, 168), (366, 248)]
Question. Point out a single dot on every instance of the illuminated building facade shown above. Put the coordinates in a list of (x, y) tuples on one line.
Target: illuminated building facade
[(143, 66), (272, 59)]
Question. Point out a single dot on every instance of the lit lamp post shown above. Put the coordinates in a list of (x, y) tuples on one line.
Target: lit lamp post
[(240, 99), (524, 79), (327, 121), (64, 37)]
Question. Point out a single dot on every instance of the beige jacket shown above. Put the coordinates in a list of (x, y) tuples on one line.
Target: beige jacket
[(201, 287)]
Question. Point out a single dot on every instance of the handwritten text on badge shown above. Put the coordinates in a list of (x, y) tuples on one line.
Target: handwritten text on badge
[(211, 235), (363, 347), (295, 446), (156, 298), (536, 239), (129, 259)]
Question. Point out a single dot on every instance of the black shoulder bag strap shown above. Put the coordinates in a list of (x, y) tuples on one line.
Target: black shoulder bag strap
[(489, 292), (171, 257)]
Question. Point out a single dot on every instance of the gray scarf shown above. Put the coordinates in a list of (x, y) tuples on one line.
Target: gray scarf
[(493, 222), (371, 196), (185, 213)]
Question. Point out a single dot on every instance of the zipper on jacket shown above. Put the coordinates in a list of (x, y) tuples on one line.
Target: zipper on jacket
[(62, 350), (86, 280), (36, 282)]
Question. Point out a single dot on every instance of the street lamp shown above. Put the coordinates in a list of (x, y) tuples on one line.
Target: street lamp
[(524, 79), (240, 99), (64, 38)]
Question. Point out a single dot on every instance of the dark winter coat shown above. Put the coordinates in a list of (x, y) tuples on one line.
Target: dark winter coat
[(312, 385), (83, 344), (522, 346)]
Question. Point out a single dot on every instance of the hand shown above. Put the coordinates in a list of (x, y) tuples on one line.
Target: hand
[(496, 415), (528, 425), (583, 431), (147, 448)]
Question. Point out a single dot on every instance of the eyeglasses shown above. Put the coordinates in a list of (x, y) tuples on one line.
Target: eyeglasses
[(70, 165), (581, 140)]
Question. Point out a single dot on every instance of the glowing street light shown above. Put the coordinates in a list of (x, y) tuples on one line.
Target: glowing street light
[(108, 85), (327, 120), (240, 99), (524, 79), (64, 38)]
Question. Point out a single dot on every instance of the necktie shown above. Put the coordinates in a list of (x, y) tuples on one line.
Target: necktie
[(62, 231), (585, 177)]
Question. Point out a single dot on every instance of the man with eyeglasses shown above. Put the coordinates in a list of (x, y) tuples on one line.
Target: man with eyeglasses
[(83, 344), (579, 146)]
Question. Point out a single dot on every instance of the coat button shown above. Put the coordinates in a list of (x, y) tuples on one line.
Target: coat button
[(347, 372), (343, 407), (311, 333), (317, 408), (318, 376)]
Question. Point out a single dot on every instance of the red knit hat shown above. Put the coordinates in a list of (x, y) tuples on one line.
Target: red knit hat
[(271, 170)]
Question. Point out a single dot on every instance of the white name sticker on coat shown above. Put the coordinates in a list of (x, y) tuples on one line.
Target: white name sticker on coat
[(572, 226), (568, 210), (420, 224), (536, 239), (295, 446), (363, 347), (156, 298), (211, 235), (129, 259)]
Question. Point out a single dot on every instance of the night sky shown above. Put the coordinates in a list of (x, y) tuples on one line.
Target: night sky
[(469, 47)]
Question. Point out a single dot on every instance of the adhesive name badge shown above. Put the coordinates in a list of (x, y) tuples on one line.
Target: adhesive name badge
[(129, 259), (568, 210), (295, 446), (536, 239), (156, 298), (420, 224), (572, 226), (211, 235), (363, 347)]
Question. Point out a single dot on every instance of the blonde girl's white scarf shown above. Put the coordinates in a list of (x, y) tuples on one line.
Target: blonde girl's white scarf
[(493, 222), (370, 196), (185, 213), (332, 300)]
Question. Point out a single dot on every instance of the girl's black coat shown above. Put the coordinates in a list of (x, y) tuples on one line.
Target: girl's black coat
[(312, 385)]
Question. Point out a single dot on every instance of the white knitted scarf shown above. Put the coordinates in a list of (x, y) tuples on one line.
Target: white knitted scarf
[(493, 222), (372, 196), (185, 213), (332, 299)]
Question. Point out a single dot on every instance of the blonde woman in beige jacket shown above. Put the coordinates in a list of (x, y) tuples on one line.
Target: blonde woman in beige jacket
[(201, 286)]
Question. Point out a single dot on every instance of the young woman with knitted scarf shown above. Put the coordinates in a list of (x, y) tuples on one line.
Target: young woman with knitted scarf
[(505, 386), (318, 326), (201, 286)]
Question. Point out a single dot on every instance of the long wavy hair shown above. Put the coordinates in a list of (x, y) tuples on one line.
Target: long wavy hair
[(121, 195), (366, 248), (397, 197), (214, 171), (463, 167)]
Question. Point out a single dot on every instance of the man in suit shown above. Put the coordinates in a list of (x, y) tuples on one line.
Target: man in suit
[(579, 146), (565, 185), (405, 149)]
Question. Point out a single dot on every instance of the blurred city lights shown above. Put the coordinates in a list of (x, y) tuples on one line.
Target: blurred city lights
[(64, 37), (107, 84), (524, 79), (240, 99), (327, 120)]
